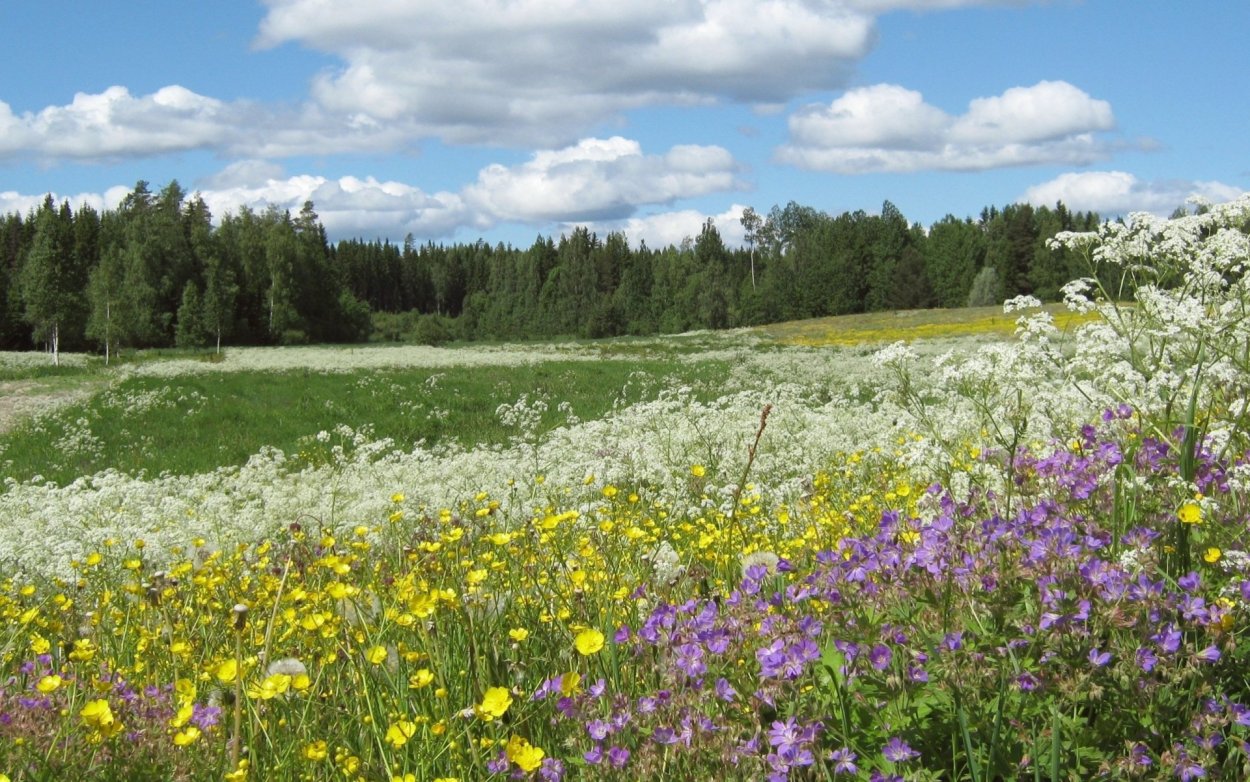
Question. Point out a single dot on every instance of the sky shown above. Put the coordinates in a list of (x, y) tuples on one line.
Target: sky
[(505, 120)]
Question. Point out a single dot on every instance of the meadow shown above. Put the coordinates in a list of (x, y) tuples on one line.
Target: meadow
[(1004, 544)]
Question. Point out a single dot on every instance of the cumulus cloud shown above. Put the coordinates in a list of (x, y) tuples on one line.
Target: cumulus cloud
[(1112, 193), (114, 124), (511, 72), (537, 71), (599, 179), (593, 180), (672, 228), (347, 206), (890, 128)]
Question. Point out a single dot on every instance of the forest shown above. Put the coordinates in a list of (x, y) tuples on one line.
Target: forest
[(159, 271)]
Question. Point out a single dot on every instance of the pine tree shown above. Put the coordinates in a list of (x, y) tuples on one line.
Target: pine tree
[(45, 279), (189, 330)]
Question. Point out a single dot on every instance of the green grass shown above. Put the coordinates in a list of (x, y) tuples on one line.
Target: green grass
[(195, 423)]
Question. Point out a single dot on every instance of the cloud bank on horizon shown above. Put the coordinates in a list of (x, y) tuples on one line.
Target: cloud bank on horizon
[(611, 115)]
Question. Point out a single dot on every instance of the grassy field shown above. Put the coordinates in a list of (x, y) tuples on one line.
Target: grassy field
[(182, 423), (803, 552), (104, 418), (195, 423)]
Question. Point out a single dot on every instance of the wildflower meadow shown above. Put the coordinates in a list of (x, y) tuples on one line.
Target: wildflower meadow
[(754, 555)]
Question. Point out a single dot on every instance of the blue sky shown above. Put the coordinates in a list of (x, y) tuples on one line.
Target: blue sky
[(505, 119)]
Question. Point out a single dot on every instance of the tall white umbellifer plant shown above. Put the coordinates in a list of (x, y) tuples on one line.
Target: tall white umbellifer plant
[(1174, 332), (1173, 296)]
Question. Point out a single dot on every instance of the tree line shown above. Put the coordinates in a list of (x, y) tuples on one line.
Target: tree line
[(156, 271), (797, 263)]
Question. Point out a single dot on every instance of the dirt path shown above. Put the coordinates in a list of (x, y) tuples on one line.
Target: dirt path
[(23, 398)]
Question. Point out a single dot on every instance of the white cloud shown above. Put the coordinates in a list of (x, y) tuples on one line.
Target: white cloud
[(536, 71), (890, 128), (671, 228), (1112, 193), (518, 72), (594, 180), (599, 179), (115, 124), (348, 206), (22, 203)]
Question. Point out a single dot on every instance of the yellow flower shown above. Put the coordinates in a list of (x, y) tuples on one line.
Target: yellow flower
[(570, 682), (397, 497), (1212, 555), (186, 736), (227, 671), (98, 715), (315, 751), (524, 754), (698, 471), (398, 733), (240, 773), (588, 642), (49, 684), (84, 650), (376, 655), (270, 687), (185, 689), (1190, 513), (185, 712), (494, 703), (518, 634), (422, 678)]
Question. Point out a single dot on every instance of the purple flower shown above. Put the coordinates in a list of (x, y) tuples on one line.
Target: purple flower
[(1140, 756), (1098, 658), (1209, 655), (594, 755), (897, 751), (879, 656), (664, 736), (1168, 639), (771, 658), (618, 757), (690, 660), (844, 761), (725, 690), (784, 735), (551, 770), (1190, 581), (1147, 659), (598, 729), (205, 717)]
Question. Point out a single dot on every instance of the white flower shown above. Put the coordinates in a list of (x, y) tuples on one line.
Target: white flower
[(767, 559), (290, 666)]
